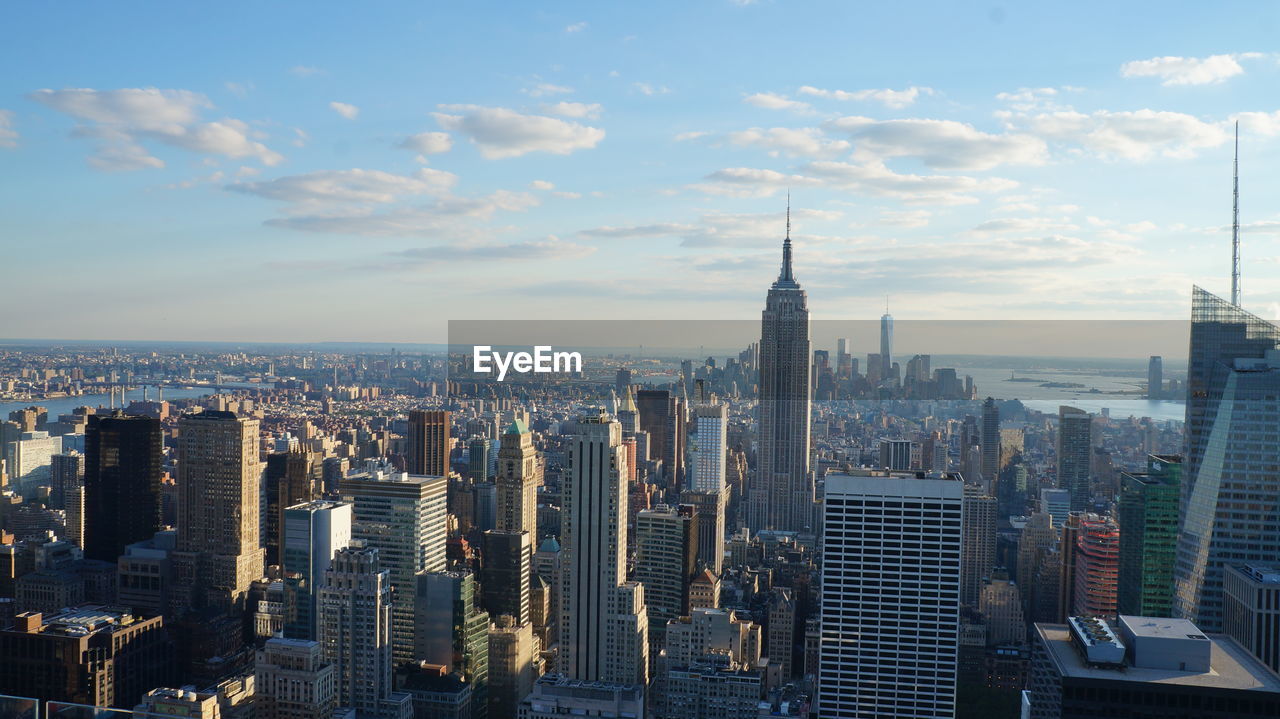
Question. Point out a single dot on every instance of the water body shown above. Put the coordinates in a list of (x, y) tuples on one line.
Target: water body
[(65, 405)]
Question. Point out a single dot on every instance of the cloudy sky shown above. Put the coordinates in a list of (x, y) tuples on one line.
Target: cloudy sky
[(315, 171)]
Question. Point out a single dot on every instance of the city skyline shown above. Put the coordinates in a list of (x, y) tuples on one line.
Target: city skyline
[(289, 175)]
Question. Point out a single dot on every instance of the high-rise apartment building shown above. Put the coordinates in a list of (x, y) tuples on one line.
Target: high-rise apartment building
[(355, 634), (519, 475), (603, 620), (1148, 519), (66, 471), (313, 532), (219, 553), (710, 512), (781, 494), (890, 599), (405, 517), (122, 468), (1074, 449), (1233, 378), (291, 478), (429, 443)]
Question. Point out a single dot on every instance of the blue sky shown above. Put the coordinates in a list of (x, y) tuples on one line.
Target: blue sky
[(332, 171)]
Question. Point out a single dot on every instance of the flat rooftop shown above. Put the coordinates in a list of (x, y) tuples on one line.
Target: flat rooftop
[(1231, 667), (1163, 628)]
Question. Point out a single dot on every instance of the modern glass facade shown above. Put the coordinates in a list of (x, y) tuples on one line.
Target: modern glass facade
[(1148, 514)]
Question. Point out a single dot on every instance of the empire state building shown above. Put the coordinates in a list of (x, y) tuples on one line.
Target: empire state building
[(781, 495)]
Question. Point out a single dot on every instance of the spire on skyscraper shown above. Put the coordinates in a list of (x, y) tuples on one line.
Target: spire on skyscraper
[(1235, 223), (786, 278)]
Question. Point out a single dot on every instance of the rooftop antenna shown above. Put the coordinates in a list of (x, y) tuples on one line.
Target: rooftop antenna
[(789, 204), (1235, 224)]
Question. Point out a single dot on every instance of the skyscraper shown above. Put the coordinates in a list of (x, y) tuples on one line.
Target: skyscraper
[(1074, 427), (219, 482), (711, 426), (662, 417), (505, 576), (890, 596), (666, 561), (979, 543), (519, 475), (781, 495), (1233, 377), (886, 344), (291, 478), (1155, 377), (452, 630), (990, 446), (293, 681), (603, 621), (1148, 517), (312, 533), (1097, 567), (428, 443), (355, 634), (66, 471), (404, 517), (122, 467)]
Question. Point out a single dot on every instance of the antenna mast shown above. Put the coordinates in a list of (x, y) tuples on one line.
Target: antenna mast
[(1235, 223)]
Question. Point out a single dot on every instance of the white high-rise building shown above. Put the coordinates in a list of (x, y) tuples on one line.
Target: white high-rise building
[(355, 634), (405, 517), (1057, 504), (711, 422), (313, 531), (603, 620), (890, 596)]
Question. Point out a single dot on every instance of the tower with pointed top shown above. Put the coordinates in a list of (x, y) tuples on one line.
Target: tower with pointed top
[(781, 494), (1235, 223), (886, 344)]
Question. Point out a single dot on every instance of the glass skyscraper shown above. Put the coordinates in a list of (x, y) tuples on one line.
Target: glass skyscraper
[(1232, 478)]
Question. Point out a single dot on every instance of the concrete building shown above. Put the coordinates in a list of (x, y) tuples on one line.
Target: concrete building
[(91, 654), (219, 552), (1150, 667), (518, 479), (451, 631), (1097, 567), (666, 563), (978, 535), (404, 517), (1251, 609), (890, 595), (355, 634), (429, 443), (556, 696), (603, 620), (1075, 445), (312, 532), (293, 680), (513, 665)]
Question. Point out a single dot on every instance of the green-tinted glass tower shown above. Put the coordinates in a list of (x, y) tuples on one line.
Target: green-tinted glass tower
[(1148, 514)]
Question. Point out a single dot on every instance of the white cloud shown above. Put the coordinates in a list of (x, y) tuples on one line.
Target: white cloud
[(940, 144), (576, 27), (751, 182), (315, 190), (1174, 70), (549, 248), (542, 89), (645, 88), (1023, 225), (692, 135), (8, 135), (873, 178), (661, 229), (773, 101), (803, 142), (428, 143), (300, 137), (1262, 123), (500, 132), (305, 70), (589, 111), (449, 217), (120, 120), (1136, 135), (346, 110), (541, 185), (896, 99), (905, 218)]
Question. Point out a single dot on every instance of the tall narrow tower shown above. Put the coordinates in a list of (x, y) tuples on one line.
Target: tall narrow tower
[(1235, 223), (781, 495)]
